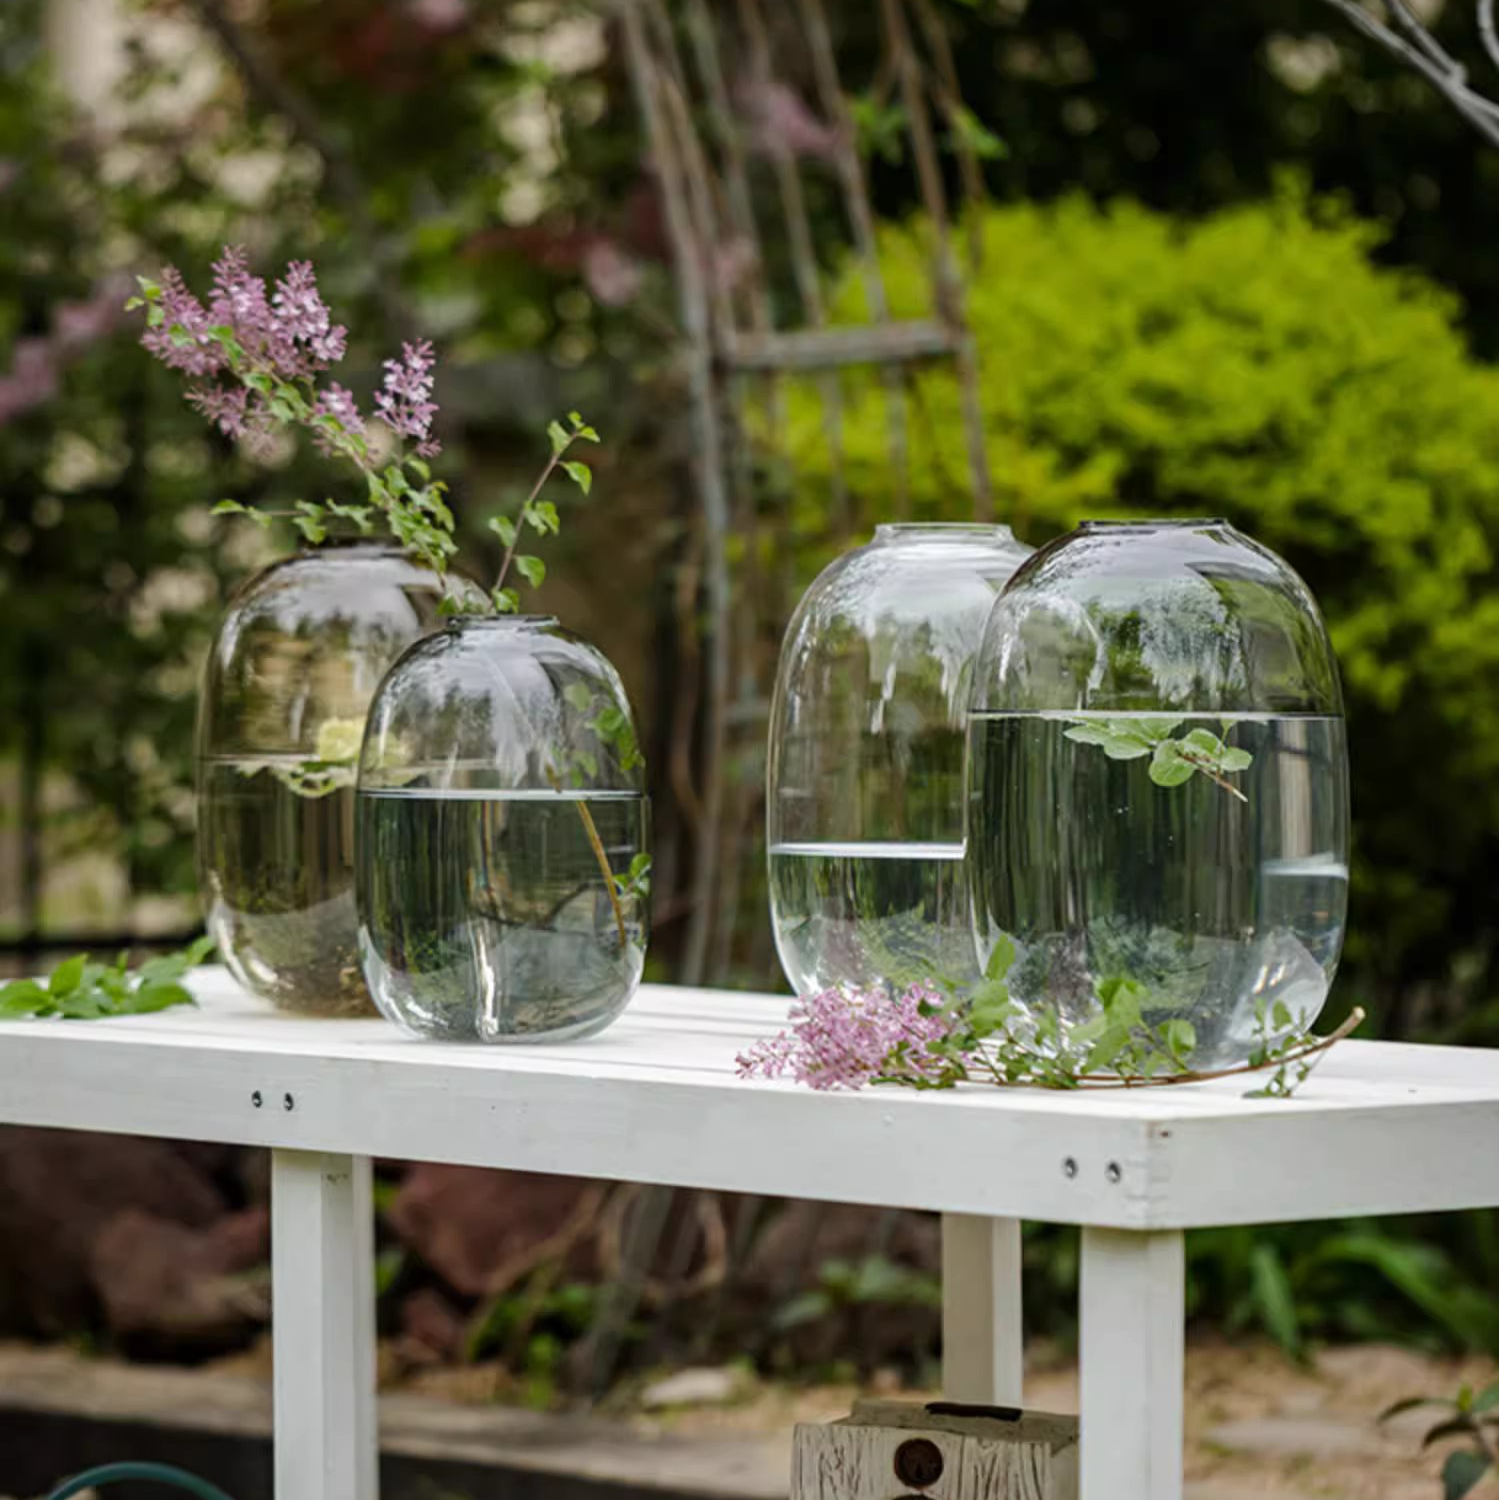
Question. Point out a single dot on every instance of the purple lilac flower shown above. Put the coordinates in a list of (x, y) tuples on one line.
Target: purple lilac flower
[(226, 406), (335, 401), (183, 314), (405, 398), (845, 1038), (303, 316)]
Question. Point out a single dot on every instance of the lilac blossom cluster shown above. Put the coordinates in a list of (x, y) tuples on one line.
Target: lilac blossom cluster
[(250, 337), (845, 1038)]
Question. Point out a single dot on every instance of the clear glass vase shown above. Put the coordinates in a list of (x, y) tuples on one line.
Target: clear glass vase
[(865, 775), (504, 866), (1158, 787), (296, 661)]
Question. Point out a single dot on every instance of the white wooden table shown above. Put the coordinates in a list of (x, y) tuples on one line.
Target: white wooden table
[(1381, 1128)]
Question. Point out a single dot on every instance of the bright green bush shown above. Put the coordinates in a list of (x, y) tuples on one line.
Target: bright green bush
[(1255, 364)]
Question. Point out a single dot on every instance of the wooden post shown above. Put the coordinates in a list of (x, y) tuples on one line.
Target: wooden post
[(982, 1333), (322, 1264), (1132, 1356)]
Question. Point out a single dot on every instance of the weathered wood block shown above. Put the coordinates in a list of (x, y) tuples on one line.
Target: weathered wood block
[(899, 1450)]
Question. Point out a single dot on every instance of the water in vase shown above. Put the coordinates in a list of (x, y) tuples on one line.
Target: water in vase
[(1224, 894), (871, 914), (501, 916), (277, 853)]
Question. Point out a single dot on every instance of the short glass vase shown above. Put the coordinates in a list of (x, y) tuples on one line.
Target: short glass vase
[(503, 837), (289, 679), (865, 771), (1158, 788)]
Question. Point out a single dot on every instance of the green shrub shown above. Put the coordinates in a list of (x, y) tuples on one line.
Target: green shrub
[(1255, 364)]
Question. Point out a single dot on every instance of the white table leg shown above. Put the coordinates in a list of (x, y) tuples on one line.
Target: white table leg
[(323, 1310), (1133, 1356), (982, 1336)]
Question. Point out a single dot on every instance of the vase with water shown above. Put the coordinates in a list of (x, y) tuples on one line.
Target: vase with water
[(865, 782), (1158, 787), (503, 837)]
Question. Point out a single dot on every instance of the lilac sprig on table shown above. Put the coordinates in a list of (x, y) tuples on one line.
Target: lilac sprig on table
[(846, 1038), (256, 357)]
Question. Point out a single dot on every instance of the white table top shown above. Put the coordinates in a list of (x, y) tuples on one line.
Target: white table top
[(1380, 1128)]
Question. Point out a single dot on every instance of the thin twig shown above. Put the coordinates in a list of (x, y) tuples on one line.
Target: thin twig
[(1450, 78), (1313, 1048), (599, 853), (1490, 38)]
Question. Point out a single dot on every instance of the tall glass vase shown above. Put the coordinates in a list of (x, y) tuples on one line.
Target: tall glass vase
[(296, 661), (1158, 791), (865, 777), (504, 865)]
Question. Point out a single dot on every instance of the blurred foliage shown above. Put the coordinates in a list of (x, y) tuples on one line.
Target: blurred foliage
[(1255, 364), (1192, 107)]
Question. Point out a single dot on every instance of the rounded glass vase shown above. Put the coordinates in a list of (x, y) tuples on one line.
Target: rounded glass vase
[(504, 837), (1158, 792), (296, 661), (865, 770)]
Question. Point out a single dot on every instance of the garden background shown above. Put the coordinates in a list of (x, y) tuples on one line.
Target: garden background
[(1233, 260)]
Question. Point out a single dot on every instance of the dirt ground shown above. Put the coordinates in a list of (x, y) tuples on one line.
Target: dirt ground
[(1259, 1427)]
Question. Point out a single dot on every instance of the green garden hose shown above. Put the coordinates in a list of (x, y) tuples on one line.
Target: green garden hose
[(178, 1479)]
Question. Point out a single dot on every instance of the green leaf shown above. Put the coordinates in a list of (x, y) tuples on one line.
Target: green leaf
[(1274, 1298), (1180, 1037), (806, 1307), (1167, 768), (67, 976), (506, 601), (580, 474), (581, 428), (532, 569), (22, 998), (1461, 1473), (1205, 741), (420, 467), (504, 528), (579, 695), (1001, 957), (1118, 743), (1451, 1427), (1410, 1403), (543, 517), (559, 436), (229, 508), (1104, 1053), (150, 998), (1235, 759), (1486, 1399), (134, 302), (968, 130)]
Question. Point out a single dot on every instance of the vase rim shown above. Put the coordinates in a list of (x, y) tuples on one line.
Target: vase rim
[(354, 544), (939, 529), (1163, 523), (468, 621)]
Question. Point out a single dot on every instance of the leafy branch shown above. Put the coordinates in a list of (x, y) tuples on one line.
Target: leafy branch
[(540, 515), (1469, 1415), (1172, 761), (78, 990)]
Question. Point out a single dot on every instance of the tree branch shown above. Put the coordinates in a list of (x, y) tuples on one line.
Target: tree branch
[(1428, 57)]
